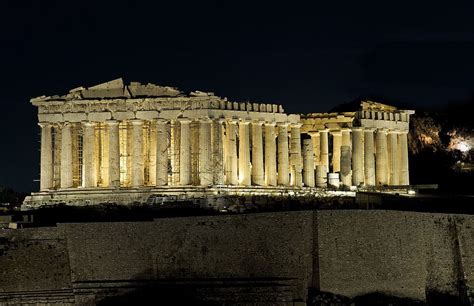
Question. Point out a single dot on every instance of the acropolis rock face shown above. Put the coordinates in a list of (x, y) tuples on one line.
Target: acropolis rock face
[(122, 143)]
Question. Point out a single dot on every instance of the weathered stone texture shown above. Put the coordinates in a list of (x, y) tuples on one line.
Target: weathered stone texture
[(349, 253)]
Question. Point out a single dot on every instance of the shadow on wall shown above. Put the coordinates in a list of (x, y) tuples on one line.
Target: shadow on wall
[(157, 295), (319, 298)]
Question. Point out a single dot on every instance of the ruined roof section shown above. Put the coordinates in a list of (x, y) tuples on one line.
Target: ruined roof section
[(117, 89), (376, 106)]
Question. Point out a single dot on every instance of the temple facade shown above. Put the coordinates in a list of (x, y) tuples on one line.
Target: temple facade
[(122, 143)]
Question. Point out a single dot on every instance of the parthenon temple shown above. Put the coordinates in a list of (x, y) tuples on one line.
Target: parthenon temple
[(122, 143)]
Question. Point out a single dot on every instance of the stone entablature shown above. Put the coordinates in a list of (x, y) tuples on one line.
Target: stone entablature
[(149, 136)]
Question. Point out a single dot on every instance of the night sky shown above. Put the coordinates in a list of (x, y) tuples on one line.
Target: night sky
[(309, 58)]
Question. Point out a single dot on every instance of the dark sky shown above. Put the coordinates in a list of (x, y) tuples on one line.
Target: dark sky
[(307, 57)]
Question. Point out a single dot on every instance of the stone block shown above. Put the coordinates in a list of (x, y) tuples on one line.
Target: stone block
[(123, 115), (99, 117), (147, 115), (75, 117)]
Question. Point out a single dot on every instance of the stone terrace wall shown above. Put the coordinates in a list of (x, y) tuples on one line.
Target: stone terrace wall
[(405, 254), (351, 253), (255, 246), (34, 263)]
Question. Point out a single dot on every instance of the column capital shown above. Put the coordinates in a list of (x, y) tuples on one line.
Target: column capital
[(326, 130), (283, 124), (296, 125), (161, 120), (313, 133), (346, 130), (403, 132), (272, 123), (45, 124), (88, 123), (244, 122), (382, 130), (357, 128), (258, 122), (393, 131), (184, 120), (232, 120), (336, 133), (205, 120), (111, 122), (369, 129), (137, 121)]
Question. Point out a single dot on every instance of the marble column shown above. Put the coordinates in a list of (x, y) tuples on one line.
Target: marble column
[(324, 149), (403, 149), (346, 157), (185, 152), (231, 154), (315, 139), (206, 175), (46, 171), (88, 153), (369, 156), (138, 169), (258, 173), (394, 169), (357, 156), (381, 157), (336, 151), (162, 145), (296, 161), (308, 163), (283, 157), (218, 151), (66, 155), (270, 154), (114, 153), (244, 153)]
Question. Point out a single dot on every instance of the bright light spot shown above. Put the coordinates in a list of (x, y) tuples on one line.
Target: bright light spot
[(462, 146), (411, 191)]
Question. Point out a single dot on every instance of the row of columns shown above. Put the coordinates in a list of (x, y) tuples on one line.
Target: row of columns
[(364, 156), (230, 152), (238, 152)]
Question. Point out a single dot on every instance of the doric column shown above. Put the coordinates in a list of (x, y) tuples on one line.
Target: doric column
[(369, 157), (296, 160), (162, 145), (324, 147), (206, 174), (381, 157), (270, 154), (394, 177), (114, 153), (308, 163), (357, 156), (46, 171), (321, 176), (403, 149), (346, 157), (231, 153), (137, 153), (315, 139), (88, 154), (258, 175), (336, 150), (244, 153), (66, 155), (283, 157), (184, 152), (218, 151)]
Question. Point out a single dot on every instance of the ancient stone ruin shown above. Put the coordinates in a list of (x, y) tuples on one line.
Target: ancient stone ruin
[(122, 143)]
